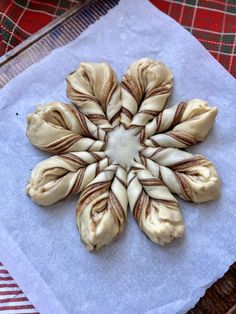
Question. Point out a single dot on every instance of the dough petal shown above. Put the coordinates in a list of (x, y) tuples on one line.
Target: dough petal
[(62, 176), (59, 128), (102, 208), (192, 177), (145, 88), (180, 126), (153, 206), (94, 88)]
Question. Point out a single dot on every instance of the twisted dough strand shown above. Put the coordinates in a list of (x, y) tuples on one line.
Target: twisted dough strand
[(144, 88), (102, 208), (153, 206), (62, 176), (185, 124), (94, 88), (192, 177), (59, 128)]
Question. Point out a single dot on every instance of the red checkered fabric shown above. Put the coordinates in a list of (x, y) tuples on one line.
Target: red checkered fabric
[(21, 18), (212, 22)]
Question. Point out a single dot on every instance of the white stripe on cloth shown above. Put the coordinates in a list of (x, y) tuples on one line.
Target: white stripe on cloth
[(7, 282), (16, 311), (11, 295), (209, 31), (222, 33), (232, 55), (4, 275), (10, 289)]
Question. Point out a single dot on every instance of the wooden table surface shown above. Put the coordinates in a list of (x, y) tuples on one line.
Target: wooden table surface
[(221, 296)]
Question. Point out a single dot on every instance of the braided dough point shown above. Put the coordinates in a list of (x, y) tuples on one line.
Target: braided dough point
[(186, 124), (94, 88), (59, 128), (102, 208), (144, 91), (153, 206), (192, 177), (62, 176)]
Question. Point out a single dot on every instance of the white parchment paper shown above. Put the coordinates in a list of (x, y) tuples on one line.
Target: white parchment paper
[(41, 246)]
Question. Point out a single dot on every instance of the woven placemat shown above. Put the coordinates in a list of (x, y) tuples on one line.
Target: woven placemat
[(220, 298)]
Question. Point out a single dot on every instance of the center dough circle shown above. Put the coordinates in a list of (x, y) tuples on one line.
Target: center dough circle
[(123, 146)]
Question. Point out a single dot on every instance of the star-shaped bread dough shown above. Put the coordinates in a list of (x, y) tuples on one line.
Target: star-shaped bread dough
[(79, 134)]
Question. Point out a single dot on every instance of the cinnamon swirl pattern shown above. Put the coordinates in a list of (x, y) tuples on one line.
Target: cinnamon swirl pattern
[(78, 134), (102, 208)]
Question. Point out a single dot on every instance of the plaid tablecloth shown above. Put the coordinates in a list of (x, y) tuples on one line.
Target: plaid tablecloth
[(21, 18), (212, 22)]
